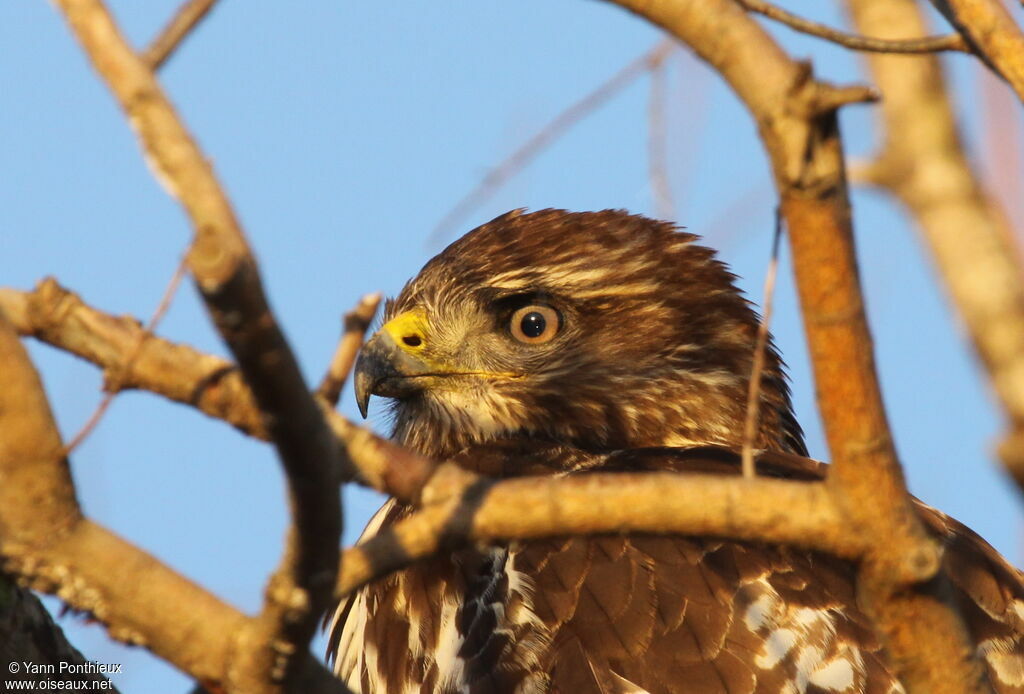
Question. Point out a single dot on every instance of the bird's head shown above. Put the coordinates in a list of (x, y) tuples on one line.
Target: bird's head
[(601, 330)]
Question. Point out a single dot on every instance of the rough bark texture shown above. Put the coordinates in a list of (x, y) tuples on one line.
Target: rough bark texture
[(923, 163)]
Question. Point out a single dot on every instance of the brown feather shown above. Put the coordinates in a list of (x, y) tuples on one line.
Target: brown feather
[(649, 371)]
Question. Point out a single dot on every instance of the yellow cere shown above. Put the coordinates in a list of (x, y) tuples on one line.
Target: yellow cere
[(408, 330)]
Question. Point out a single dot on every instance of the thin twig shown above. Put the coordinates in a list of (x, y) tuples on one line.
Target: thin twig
[(515, 162), (355, 325), (754, 391), (181, 25), (657, 145), (926, 44), (115, 378)]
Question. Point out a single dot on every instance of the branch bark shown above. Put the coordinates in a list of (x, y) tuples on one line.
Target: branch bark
[(992, 34), (225, 272), (51, 547), (459, 507), (873, 43), (355, 323), (922, 162), (212, 385), (170, 38), (797, 122)]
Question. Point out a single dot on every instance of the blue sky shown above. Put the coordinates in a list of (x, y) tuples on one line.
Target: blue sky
[(343, 132)]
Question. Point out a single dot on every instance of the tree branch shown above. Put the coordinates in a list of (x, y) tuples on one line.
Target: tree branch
[(753, 407), (798, 125), (355, 323), (212, 385), (923, 163), (461, 507), (45, 540), (926, 44), (763, 509), (181, 25), (225, 271), (990, 31)]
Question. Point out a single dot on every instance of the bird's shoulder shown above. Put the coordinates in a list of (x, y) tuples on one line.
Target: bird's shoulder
[(650, 613)]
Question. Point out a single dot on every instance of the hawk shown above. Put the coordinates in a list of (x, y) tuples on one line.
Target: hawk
[(555, 343)]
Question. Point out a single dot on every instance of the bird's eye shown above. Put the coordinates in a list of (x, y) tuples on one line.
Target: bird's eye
[(535, 324)]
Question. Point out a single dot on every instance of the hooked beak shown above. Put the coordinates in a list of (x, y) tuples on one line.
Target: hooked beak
[(384, 368), (391, 359), (397, 363)]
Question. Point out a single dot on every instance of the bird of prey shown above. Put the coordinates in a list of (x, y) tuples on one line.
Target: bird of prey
[(556, 343)]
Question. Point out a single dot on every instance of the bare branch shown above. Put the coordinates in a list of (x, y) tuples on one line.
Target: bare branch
[(31, 454), (355, 324), (465, 507), (926, 44), (384, 465), (181, 25), (47, 543), (760, 346), (797, 122), (586, 504), (924, 164), (226, 274), (182, 374), (992, 34), (179, 373), (61, 319), (515, 162)]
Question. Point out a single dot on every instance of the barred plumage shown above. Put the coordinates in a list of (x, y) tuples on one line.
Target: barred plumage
[(635, 356)]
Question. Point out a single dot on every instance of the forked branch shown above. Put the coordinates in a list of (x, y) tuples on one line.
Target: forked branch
[(51, 547), (210, 384), (797, 120), (181, 25), (923, 163), (225, 271)]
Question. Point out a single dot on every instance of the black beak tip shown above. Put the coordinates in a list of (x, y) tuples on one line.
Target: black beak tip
[(364, 383)]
